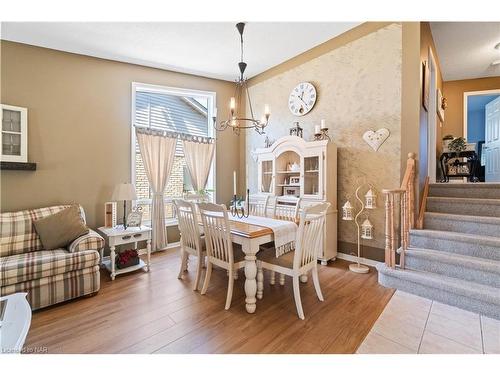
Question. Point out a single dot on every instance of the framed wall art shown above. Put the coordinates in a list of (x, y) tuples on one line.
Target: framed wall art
[(425, 85)]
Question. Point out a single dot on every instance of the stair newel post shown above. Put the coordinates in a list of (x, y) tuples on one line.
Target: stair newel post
[(404, 237), (393, 232), (410, 189), (388, 226)]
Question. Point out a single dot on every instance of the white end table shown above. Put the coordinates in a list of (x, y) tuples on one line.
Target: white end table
[(118, 236)]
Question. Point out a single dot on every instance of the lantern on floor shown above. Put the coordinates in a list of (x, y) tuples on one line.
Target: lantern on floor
[(367, 230), (347, 211), (370, 199)]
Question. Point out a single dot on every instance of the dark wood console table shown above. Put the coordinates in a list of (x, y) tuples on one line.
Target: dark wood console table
[(471, 163)]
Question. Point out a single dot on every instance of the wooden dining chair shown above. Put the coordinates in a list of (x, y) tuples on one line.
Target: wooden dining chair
[(258, 205), (192, 242), (220, 249), (305, 256), (289, 211)]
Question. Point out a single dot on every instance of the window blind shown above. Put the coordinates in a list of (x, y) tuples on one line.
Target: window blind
[(172, 113)]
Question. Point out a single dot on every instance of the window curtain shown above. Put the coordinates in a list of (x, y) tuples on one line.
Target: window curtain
[(157, 151), (198, 156)]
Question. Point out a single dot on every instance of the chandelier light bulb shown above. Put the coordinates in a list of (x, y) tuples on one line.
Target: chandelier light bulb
[(266, 110)]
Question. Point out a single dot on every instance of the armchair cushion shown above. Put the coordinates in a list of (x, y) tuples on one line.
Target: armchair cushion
[(90, 241)]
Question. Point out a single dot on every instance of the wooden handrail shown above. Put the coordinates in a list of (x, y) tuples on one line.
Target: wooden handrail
[(423, 204), (405, 195)]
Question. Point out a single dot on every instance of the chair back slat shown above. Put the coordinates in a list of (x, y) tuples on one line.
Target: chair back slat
[(217, 231), (310, 234), (289, 211), (257, 206), (188, 224)]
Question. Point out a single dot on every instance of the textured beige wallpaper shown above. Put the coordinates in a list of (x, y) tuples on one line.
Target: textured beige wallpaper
[(359, 88)]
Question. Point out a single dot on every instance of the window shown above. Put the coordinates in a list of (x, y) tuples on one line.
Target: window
[(176, 110)]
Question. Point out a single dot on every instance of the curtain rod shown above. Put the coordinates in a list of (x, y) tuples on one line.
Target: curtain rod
[(170, 134)]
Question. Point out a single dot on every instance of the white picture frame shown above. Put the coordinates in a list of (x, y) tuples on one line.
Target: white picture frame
[(439, 105), (12, 130), (134, 219)]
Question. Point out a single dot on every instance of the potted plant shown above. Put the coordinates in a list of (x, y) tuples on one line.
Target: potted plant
[(446, 141), (127, 258), (457, 145)]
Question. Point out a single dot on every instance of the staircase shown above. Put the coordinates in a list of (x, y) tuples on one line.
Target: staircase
[(455, 258)]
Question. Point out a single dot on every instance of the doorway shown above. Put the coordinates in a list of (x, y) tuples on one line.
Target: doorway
[(432, 119), (482, 128)]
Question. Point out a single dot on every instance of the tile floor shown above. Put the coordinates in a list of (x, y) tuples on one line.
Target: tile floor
[(410, 324)]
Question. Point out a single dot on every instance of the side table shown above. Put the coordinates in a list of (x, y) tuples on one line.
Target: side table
[(118, 236)]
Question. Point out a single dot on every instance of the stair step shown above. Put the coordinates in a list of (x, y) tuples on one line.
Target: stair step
[(482, 225), (458, 243), (464, 206), (479, 298), (465, 190), (478, 270)]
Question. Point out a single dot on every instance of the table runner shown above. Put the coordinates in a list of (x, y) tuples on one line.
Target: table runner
[(284, 231)]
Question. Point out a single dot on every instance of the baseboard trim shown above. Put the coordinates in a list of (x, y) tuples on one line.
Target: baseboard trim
[(352, 258)]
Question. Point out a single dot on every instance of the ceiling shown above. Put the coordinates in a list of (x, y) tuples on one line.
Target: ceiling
[(466, 49), (206, 49)]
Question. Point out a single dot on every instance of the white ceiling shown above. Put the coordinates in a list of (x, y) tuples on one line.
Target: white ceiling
[(206, 49), (466, 49)]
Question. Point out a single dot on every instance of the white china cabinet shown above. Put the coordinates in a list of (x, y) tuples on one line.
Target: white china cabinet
[(292, 167)]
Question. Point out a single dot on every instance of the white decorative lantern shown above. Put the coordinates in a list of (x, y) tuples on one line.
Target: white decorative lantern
[(347, 211), (370, 199), (367, 230)]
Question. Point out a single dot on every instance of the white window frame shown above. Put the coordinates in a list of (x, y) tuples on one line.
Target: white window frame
[(211, 102), (23, 157)]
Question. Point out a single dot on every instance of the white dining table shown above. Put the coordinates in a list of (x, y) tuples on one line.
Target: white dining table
[(250, 237)]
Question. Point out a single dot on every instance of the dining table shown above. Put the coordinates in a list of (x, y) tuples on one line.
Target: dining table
[(250, 237)]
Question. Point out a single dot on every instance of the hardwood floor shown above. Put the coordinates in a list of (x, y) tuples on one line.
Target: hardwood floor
[(157, 313)]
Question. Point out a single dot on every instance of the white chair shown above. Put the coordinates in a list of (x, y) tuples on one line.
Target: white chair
[(285, 211), (305, 256), (192, 242), (258, 205), (220, 250)]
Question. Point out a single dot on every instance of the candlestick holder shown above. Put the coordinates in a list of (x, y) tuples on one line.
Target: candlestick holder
[(240, 212), (322, 136)]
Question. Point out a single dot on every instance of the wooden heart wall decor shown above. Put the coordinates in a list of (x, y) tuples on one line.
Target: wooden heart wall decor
[(376, 138)]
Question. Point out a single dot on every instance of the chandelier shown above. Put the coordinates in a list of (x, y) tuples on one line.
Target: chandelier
[(238, 120)]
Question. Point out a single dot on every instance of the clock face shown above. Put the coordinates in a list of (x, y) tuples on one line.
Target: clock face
[(302, 99)]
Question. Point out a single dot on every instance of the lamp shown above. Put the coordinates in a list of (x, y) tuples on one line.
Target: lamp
[(237, 120), (124, 192)]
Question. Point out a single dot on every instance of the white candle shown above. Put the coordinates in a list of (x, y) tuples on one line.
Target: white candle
[(316, 129), (266, 110), (215, 112), (234, 182), (233, 103), (323, 124)]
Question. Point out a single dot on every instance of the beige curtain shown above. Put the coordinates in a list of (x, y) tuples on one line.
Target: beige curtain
[(157, 151), (198, 158)]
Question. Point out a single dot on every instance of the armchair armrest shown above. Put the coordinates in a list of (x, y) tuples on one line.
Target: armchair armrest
[(90, 241)]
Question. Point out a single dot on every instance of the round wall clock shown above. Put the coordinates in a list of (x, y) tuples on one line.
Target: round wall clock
[(302, 99)]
